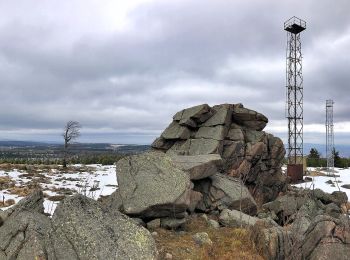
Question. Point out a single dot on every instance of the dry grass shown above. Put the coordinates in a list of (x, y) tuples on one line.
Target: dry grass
[(62, 190), (55, 197), (21, 191), (316, 173), (6, 182), (37, 168), (7, 203), (228, 243)]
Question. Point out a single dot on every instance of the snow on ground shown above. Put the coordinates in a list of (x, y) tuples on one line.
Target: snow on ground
[(94, 181), (319, 182)]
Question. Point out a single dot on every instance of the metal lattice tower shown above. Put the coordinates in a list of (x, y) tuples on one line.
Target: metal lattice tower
[(294, 96), (329, 136)]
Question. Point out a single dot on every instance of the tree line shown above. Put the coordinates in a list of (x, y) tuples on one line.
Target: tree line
[(314, 159)]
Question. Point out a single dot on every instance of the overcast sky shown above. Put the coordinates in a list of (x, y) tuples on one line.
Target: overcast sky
[(123, 68)]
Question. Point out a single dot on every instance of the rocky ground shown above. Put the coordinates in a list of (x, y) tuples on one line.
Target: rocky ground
[(211, 188)]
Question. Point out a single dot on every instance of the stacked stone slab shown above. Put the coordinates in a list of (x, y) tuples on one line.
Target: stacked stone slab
[(234, 133)]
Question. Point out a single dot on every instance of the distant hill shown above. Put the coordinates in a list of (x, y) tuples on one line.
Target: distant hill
[(21, 143), (39, 148)]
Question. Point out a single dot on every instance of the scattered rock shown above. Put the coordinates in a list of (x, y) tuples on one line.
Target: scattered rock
[(202, 238), (221, 191), (308, 179), (204, 216), (195, 198), (138, 221), (172, 223), (213, 223), (333, 210), (339, 197), (235, 218), (153, 224), (168, 256), (346, 186)]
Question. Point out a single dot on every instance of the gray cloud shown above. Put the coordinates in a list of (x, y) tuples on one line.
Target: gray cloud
[(67, 61)]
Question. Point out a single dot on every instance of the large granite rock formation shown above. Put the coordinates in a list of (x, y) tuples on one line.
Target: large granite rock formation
[(235, 134), (79, 229)]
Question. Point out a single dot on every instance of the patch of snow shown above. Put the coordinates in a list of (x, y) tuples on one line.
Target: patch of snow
[(100, 181), (319, 182)]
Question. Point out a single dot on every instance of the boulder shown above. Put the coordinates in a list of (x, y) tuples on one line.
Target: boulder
[(221, 191), (235, 218), (195, 198), (172, 223), (197, 114), (162, 143), (271, 240), (233, 149), (205, 146), (81, 229), (176, 131), (249, 118), (339, 197), (150, 185), (113, 201), (153, 224), (284, 205), (326, 237), (222, 115), (200, 146), (330, 250), (235, 134), (213, 223), (218, 132), (22, 233), (198, 166), (202, 239)]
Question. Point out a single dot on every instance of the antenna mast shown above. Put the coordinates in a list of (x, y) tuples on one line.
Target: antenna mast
[(329, 136)]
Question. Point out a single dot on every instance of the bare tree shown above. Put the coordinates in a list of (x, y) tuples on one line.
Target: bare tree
[(71, 132)]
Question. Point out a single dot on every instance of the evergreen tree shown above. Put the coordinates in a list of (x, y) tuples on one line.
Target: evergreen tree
[(314, 153), (337, 158)]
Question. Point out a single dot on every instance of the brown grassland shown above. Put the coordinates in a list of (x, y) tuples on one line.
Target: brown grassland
[(228, 243)]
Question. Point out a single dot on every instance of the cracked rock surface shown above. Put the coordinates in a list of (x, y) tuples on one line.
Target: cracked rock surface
[(79, 229)]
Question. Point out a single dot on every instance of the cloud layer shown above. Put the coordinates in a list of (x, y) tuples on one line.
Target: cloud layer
[(123, 70)]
